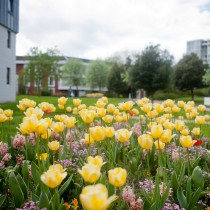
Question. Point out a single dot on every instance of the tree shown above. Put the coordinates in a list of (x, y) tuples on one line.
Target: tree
[(188, 73), (41, 66), (206, 78), (151, 70), (73, 73), (97, 74), (116, 84)]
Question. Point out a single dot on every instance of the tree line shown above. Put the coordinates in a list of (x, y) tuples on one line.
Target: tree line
[(153, 69)]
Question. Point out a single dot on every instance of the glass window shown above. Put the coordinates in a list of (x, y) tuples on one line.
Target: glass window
[(10, 5), (8, 76), (8, 39)]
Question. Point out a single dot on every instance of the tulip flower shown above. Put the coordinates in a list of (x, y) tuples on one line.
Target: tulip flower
[(57, 127), (54, 145), (34, 111), (179, 125), (109, 132), (3, 117), (145, 141), (180, 104), (185, 132), (159, 144), (90, 172), (70, 122), (54, 176), (166, 136), (200, 120), (111, 108), (98, 133), (77, 102), (68, 109), (107, 119), (196, 131), (8, 112), (95, 197), (87, 115), (97, 160), (100, 103), (123, 135), (146, 107), (186, 141), (42, 127), (156, 131), (117, 177), (101, 112), (62, 100), (61, 106), (88, 139)]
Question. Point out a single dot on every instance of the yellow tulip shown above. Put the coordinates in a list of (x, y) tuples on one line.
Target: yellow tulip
[(54, 145), (185, 132), (97, 160), (158, 107), (101, 112), (70, 122), (176, 109), (179, 125), (116, 112), (54, 176), (159, 144), (43, 156), (68, 109), (191, 103), (98, 133), (168, 109), (119, 118), (34, 111), (88, 139), (3, 117), (8, 112), (90, 172), (95, 197), (117, 177), (82, 106), (196, 131), (180, 104), (201, 108), (111, 108), (156, 131), (62, 100), (57, 127), (186, 141), (147, 107), (168, 103), (87, 115), (107, 119), (46, 135), (200, 120), (109, 131), (61, 106), (126, 106), (104, 99), (145, 141), (123, 135), (77, 102), (100, 103), (188, 108), (152, 114), (166, 137), (135, 111), (41, 127)]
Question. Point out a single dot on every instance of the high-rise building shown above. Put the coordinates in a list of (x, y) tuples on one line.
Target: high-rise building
[(9, 26), (201, 48)]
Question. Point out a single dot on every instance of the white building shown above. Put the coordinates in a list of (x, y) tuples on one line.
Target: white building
[(201, 48), (9, 23)]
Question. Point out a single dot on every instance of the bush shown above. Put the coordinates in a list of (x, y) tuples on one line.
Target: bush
[(46, 92)]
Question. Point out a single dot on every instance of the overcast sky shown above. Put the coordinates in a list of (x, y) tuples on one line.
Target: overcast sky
[(100, 28)]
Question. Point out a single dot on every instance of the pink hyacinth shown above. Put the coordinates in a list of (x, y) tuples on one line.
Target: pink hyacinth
[(7, 157), (18, 141), (3, 148)]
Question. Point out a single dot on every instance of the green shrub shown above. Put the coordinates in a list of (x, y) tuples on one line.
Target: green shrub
[(46, 92)]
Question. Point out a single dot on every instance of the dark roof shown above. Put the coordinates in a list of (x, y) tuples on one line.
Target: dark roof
[(61, 58)]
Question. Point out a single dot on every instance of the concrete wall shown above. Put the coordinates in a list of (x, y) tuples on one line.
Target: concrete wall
[(7, 60)]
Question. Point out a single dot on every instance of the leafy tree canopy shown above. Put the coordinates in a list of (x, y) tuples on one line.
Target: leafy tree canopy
[(152, 69), (97, 74), (189, 72), (73, 73)]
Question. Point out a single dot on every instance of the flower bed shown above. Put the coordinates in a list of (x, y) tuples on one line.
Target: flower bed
[(136, 155)]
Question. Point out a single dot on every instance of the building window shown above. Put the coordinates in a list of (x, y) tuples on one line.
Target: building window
[(8, 39), (10, 5), (51, 81), (8, 76)]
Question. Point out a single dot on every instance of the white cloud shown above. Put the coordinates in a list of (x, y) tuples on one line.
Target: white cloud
[(99, 28)]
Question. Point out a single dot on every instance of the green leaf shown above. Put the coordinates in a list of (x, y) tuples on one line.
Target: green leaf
[(174, 182), (35, 173), (2, 199), (65, 185), (197, 177), (182, 172), (43, 201), (164, 197), (188, 190), (16, 190), (22, 186), (194, 199), (35, 198), (181, 198), (55, 200), (25, 172)]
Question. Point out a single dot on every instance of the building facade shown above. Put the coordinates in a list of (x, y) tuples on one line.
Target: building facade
[(58, 87), (9, 26), (201, 48)]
